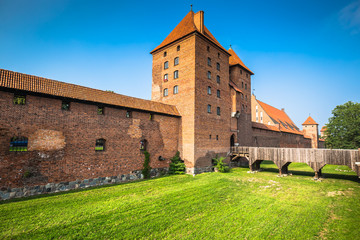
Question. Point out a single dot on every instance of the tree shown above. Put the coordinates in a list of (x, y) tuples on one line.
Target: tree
[(343, 129), (177, 166)]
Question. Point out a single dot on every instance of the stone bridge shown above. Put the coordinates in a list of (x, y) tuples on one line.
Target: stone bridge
[(315, 158)]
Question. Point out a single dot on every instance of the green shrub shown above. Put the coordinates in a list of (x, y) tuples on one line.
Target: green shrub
[(146, 167), (177, 166), (220, 165)]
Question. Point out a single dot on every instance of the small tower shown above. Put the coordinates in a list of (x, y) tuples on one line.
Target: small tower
[(310, 128)]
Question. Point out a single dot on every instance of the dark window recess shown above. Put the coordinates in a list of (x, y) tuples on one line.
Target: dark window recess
[(209, 62), (178, 48), (242, 84), (65, 105), (176, 61), (218, 111), (165, 53), (218, 55), (166, 65), (151, 117), (210, 136), (209, 108), (128, 114), (100, 111), (218, 93), (217, 137), (240, 71), (18, 144), (209, 75), (209, 90), (143, 145), (19, 99), (245, 86), (176, 74), (176, 89), (218, 79), (208, 48), (218, 66), (100, 144)]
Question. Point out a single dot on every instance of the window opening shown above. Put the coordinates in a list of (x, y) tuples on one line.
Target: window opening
[(65, 105), (209, 75), (178, 48), (218, 111), (19, 99), (100, 110), (176, 89), (218, 93), (209, 90), (128, 114), (166, 77), (165, 53), (100, 144), (218, 66), (166, 65), (209, 108), (143, 145), (209, 62), (18, 144), (176, 74), (176, 61), (218, 79)]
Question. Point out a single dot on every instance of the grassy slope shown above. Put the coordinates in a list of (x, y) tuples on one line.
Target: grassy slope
[(234, 205)]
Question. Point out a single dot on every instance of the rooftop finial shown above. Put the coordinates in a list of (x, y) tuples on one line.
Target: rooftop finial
[(190, 7), (230, 46)]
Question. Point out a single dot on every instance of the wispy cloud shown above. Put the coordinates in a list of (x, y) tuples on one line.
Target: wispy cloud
[(349, 16)]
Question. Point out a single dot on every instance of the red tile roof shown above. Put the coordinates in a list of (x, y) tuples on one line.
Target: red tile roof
[(235, 60), (25, 82), (310, 121), (323, 129), (281, 118), (233, 85), (185, 27), (265, 127)]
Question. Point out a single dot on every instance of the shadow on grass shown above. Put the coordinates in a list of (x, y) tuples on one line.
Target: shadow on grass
[(45, 195)]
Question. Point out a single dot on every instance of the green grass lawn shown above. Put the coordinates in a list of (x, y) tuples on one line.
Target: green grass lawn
[(235, 205)]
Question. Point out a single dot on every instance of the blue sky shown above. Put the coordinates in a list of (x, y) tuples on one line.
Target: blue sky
[(305, 54)]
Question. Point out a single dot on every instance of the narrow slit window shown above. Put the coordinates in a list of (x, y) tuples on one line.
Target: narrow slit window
[(217, 137), (209, 108), (178, 48), (209, 62), (100, 145), (165, 53), (208, 48), (151, 117), (218, 111), (18, 144), (128, 114), (209, 75), (19, 99), (218, 66), (218, 93), (218, 79), (209, 90)]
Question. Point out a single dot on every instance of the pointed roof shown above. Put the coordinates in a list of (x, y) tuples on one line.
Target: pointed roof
[(25, 82), (281, 118), (235, 60), (310, 121), (184, 28)]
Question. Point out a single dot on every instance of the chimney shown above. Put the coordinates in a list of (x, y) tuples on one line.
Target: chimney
[(199, 21), (283, 109)]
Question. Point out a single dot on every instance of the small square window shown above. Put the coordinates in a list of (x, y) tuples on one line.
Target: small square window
[(218, 66), (218, 79), (209, 108), (165, 53), (209, 75), (176, 61), (65, 105), (209, 62), (218, 111), (209, 90), (128, 114), (178, 48), (176, 74), (100, 110), (218, 93), (166, 65)]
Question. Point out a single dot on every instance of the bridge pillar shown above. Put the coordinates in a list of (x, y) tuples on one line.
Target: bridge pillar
[(318, 174), (284, 169), (255, 166)]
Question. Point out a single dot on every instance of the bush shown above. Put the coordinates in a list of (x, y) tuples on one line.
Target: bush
[(177, 165), (146, 167), (220, 165)]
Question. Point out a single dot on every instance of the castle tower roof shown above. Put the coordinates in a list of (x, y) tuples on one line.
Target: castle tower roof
[(235, 60), (192, 22), (310, 121)]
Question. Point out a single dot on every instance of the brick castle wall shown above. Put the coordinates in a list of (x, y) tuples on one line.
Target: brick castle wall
[(61, 143)]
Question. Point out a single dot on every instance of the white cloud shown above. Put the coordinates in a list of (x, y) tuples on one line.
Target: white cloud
[(349, 16)]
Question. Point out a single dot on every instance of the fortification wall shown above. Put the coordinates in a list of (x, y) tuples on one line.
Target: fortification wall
[(61, 143)]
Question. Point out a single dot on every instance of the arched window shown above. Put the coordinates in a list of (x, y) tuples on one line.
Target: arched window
[(209, 90), (166, 65), (143, 145), (218, 66), (100, 144), (209, 108), (176, 74), (165, 92), (176, 61), (218, 111), (218, 79), (218, 93), (166, 77), (176, 89), (209, 61), (18, 144), (209, 75)]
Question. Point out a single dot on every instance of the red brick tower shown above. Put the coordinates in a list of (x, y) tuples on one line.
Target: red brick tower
[(310, 128), (191, 71)]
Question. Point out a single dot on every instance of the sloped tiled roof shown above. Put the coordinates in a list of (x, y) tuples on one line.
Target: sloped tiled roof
[(25, 82), (233, 85), (265, 127), (310, 121), (280, 117), (185, 27), (323, 129), (235, 60)]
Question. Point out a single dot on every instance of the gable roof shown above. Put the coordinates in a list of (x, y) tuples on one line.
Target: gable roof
[(235, 60), (281, 118), (25, 82), (310, 121), (184, 28)]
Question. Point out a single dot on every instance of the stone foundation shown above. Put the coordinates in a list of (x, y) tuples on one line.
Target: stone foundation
[(198, 170), (77, 184)]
